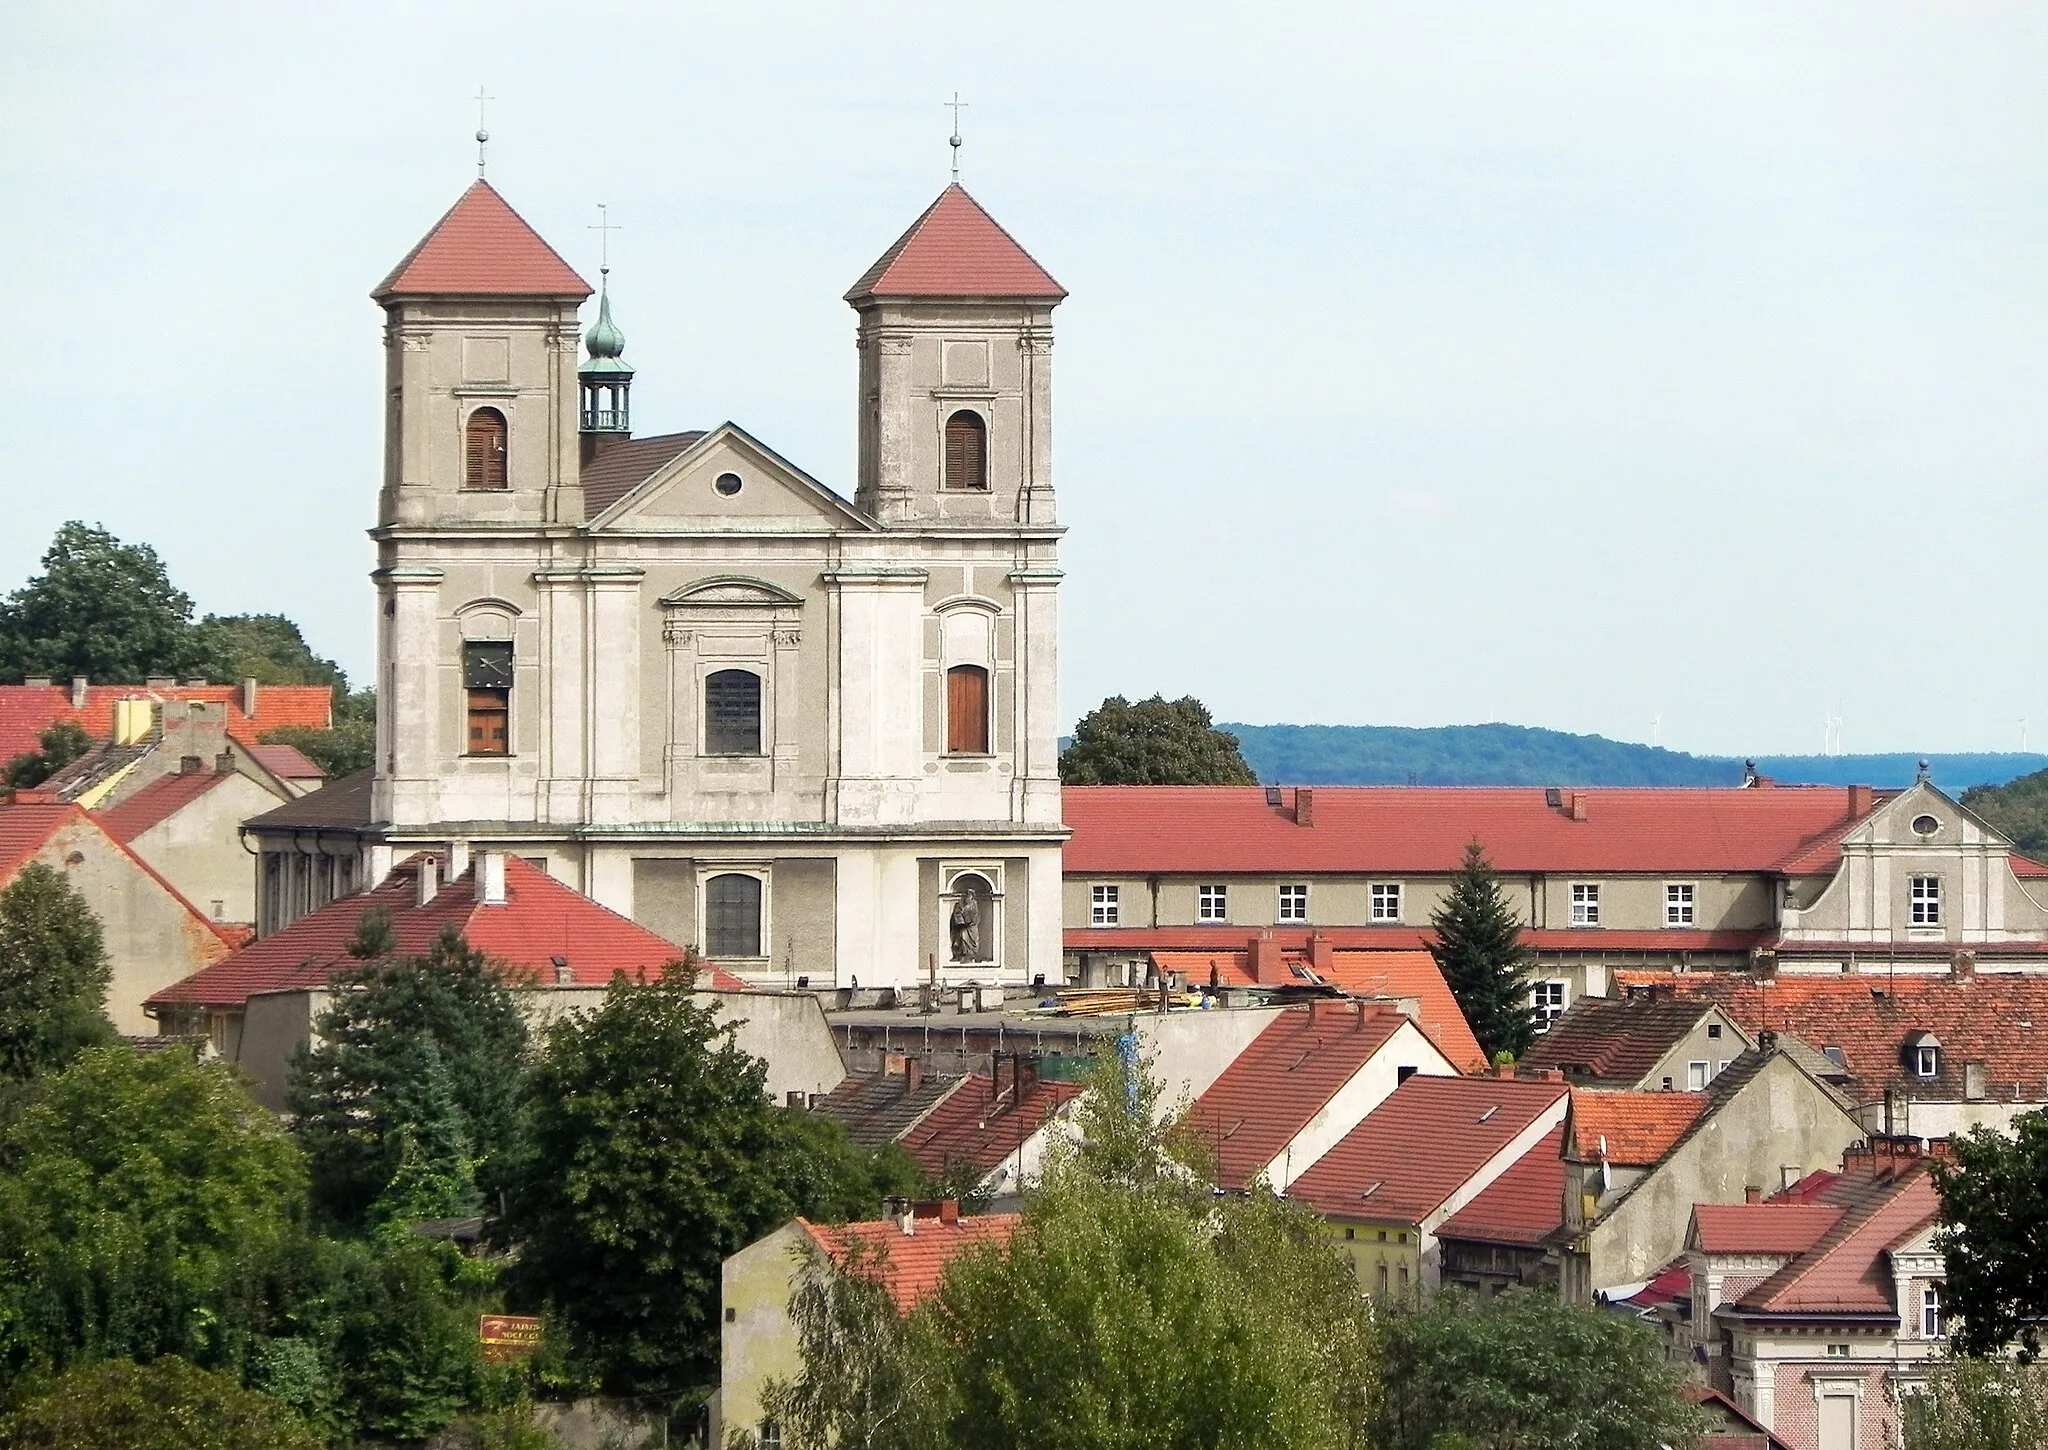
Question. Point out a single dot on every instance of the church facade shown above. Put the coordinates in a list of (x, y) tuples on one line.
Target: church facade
[(814, 736)]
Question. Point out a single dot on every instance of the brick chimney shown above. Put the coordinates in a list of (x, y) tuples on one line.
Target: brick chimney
[(913, 1074), (1752, 1194), (1962, 966), (1578, 810), (1304, 806), (1861, 799), (1264, 959), (1322, 954)]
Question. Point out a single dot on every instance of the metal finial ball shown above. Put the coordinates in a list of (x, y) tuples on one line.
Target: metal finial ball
[(482, 136), (953, 140)]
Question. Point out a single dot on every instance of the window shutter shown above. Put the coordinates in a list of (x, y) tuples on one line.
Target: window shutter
[(967, 710), (966, 451), (483, 452)]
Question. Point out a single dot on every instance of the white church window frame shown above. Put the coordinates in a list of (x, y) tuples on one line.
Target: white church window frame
[(709, 871), (967, 641)]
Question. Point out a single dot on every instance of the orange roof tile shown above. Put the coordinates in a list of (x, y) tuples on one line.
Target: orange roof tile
[(539, 920), (1421, 1145), (1846, 1269), (1638, 1128), (1275, 1086), (971, 1127), (28, 710), (911, 1265), (1525, 1205), (1761, 1228), (1619, 1041), (482, 248), (157, 802), (286, 762), (955, 250)]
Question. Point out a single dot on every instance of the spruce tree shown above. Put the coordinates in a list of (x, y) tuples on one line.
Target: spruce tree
[(1479, 949)]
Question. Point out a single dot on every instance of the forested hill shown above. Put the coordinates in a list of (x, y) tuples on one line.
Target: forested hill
[(1518, 755)]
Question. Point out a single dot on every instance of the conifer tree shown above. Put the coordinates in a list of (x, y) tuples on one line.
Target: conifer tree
[(1479, 949), (53, 974)]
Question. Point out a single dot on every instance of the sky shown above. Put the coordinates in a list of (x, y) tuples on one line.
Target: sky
[(1576, 365)]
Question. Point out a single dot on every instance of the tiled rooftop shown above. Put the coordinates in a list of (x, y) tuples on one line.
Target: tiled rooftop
[(976, 1127), (1523, 1206), (956, 250), (1619, 1041), (1846, 1270), (28, 710), (1637, 1128), (481, 247), (911, 1265), (880, 1107)]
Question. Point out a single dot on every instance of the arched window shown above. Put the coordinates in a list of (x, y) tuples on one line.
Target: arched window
[(732, 916), (732, 713), (483, 449), (966, 451), (967, 710)]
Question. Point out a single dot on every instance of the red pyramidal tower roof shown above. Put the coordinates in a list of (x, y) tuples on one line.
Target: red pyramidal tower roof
[(956, 250), (482, 248)]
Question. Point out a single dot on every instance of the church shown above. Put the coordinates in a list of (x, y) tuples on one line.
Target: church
[(815, 736)]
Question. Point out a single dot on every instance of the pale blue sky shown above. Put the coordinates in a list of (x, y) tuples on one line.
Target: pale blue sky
[(1426, 363)]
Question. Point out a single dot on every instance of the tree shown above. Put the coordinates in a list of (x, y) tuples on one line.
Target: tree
[(59, 745), (1154, 742), (349, 746), (1994, 1215), (1978, 1404), (1526, 1369), (415, 1085), (656, 1153), (53, 974), (164, 1405), (267, 648), (2019, 808), (136, 1190), (1130, 1308), (100, 608), (1479, 949)]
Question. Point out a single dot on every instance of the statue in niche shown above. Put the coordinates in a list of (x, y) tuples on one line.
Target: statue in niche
[(970, 910)]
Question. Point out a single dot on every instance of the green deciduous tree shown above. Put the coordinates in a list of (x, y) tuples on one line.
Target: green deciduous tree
[(2019, 808), (414, 1090), (656, 1153), (1154, 742), (267, 648), (53, 974), (1978, 1404), (56, 748), (167, 1404), (100, 608), (1994, 1214), (136, 1192), (1479, 949), (349, 746), (1525, 1369)]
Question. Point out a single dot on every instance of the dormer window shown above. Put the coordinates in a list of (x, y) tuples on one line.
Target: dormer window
[(483, 450), (967, 451), (1923, 1055)]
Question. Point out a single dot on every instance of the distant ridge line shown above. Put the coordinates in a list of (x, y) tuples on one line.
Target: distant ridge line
[(1498, 754)]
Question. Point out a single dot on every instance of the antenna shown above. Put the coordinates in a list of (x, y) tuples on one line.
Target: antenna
[(481, 134), (956, 105)]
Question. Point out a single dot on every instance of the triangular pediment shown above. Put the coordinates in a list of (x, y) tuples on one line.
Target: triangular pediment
[(1904, 821), (729, 482)]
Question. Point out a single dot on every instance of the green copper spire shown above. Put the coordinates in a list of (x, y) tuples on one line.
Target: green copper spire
[(606, 343)]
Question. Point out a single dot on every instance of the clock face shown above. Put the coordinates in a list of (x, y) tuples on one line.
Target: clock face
[(488, 667)]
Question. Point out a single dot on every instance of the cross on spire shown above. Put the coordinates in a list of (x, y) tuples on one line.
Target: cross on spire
[(956, 105), (604, 228), (481, 134)]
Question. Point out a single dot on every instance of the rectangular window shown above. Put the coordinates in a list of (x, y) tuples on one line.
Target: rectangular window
[(1212, 903), (1386, 901), (967, 710), (1695, 1077), (771, 1435), (487, 682), (1930, 1312), (1546, 1002), (1585, 903), (1926, 900), (1294, 902), (1103, 906), (1678, 903), (732, 713), (1926, 1062), (732, 915)]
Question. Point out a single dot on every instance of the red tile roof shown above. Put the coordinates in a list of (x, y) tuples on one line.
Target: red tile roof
[(1846, 1270), (1639, 1128), (482, 248), (1122, 830), (1997, 1018), (286, 762), (29, 820), (955, 250), (28, 710), (911, 1265), (623, 466), (971, 1127), (1761, 1228), (1291, 1070), (1361, 974), (1422, 1145), (1524, 1206), (539, 920), (156, 802), (1617, 1042)]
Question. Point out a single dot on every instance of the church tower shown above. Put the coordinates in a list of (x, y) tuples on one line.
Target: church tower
[(955, 374)]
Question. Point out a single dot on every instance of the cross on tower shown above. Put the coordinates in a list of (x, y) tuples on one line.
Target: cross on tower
[(604, 228), (481, 134), (956, 105)]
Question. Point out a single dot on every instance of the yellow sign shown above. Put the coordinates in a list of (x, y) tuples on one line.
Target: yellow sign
[(506, 1337)]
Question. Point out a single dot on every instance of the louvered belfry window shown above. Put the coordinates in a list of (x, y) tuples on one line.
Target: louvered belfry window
[(966, 451), (967, 710), (483, 450)]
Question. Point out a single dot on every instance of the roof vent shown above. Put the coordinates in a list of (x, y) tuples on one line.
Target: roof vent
[(1491, 1109)]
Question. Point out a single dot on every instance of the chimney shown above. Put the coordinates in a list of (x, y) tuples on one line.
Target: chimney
[(249, 697), (428, 879), (949, 1210), (1578, 805), (1861, 798), (458, 858), (1962, 966), (491, 874), (37, 682), (1322, 954), (1767, 1041), (913, 1077), (1752, 1194), (161, 682), (224, 763), (908, 1222), (1024, 1075), (1264, 963), (78, 688), (1304, 806)]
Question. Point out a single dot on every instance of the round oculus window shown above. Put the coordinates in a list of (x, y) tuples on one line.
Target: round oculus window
[(1925, 825), (727, 484)]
